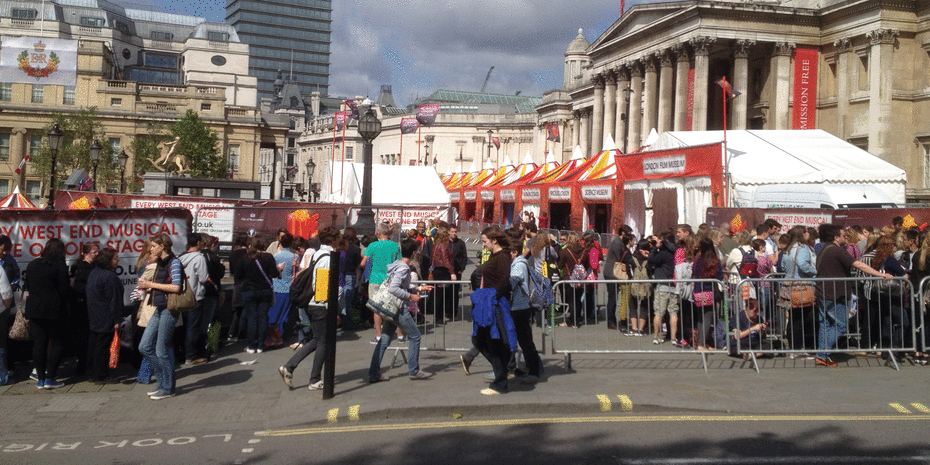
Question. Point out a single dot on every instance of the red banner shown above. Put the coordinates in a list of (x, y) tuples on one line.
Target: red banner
[(339, 120), (805, 89), (689, 120), (552, 132), (409, 125), (426, 115), (687, 162)]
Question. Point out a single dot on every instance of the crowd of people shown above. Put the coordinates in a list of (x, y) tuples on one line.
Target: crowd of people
[(666, 286)]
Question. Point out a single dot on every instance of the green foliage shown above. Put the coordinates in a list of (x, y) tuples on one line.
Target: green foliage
[(79, 131), (198, 144)]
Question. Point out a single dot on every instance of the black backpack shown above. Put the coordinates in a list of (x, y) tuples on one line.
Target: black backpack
[(302, 289)]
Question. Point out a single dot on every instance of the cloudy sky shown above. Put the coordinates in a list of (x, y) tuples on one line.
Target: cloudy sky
[(419, 46)]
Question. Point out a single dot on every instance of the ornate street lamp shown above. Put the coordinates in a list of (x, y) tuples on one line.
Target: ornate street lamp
[(369, 127), (54, 143), (95, 149), (123, 158), (311, 168)]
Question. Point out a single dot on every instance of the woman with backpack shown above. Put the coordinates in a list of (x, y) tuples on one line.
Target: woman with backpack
[(593, 255), (640, 293), (522, 310), (571, 262)]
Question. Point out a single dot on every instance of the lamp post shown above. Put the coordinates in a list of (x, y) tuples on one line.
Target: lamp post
[(311, 167), (122, 159), (369, 127), (54, 143), (426, 151), (95, 149)]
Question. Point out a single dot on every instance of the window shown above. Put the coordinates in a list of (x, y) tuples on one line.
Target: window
[(161, 35), (218, 60), (35, 145), (5, 147), (204, 107), (349, 153), (290, 142), (161, 61), (6, 91), (33, 190), (38, 93), (93, 22), (115, 143), (218, 36), (4, 187), (23, 13), (122, 27), (233, 157), (68, 98), (116, 102)]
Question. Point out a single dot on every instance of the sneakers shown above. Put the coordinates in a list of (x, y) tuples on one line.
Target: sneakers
[(258, 351), (250, 351), (287, 376), (681, 344), (658, 341), (490, 392), (377, 379), (317, 386), (161, 395), (529, 379), (421, 375), (827, 362), (52, 384), (465, 364), (152, 393), (34, 376), (40, 384), (402, 339)]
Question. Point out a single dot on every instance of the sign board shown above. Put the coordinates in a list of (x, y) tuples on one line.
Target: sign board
[(470, 195), (560, 193), (530, 194), (602, 192), (675, 164), (455, 196), (213, 218), (487, 195), (509, 194)]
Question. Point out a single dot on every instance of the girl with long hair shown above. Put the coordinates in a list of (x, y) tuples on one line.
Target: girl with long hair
[(706, 266)]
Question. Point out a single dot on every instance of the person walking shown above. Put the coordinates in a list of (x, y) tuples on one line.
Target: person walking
[(381, 253), (159, 331), (522, 311), (399, 286), (493, 331), (104, 310)]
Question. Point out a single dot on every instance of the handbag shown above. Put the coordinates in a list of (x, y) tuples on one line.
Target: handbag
[(385, 304), (20, 329), (800, 294), (114, 350), (274, 298), (620, 271), (184, 299)]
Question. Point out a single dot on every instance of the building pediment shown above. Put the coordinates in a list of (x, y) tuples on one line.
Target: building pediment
[(641, 17)]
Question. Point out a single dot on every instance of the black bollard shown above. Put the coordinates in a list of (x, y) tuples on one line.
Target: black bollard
[(332, 310)]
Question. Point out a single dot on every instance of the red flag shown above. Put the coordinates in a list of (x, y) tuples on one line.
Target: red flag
[(552, 132), (409, 125), (727, 88), (426, 115), (86, 185), (339, 120), (496, 141), (22, 163), (353, 108)]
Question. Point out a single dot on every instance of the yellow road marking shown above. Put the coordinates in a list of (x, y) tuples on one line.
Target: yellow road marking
[(605, 402), (353, 413), (921, 407), (899, 407), (598, 419), (333, 414), (626, 404)]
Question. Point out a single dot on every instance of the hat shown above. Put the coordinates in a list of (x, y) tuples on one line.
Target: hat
[(590, 231)]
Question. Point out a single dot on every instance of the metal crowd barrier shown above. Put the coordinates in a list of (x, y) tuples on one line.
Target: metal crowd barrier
[(577, 325), (880, 318)]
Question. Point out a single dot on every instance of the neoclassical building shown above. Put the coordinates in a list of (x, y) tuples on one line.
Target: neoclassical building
[(859, 69)]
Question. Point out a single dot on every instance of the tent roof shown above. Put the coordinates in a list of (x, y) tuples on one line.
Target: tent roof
[(562, 173), (789, 156), (421, 185), (16, 201), (500, 175), (602, 166)]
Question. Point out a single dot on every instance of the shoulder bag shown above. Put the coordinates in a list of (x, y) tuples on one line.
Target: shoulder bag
[(800, 294), (19, 331), (184, 299), (385, 304)]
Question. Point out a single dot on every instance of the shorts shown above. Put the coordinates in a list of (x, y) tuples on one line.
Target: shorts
[(666, 302)]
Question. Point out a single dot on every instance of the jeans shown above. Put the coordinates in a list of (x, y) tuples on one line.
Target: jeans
[(346, 294), (409, 328), (193, 319), (521, 322), (833, 324), (256, 308), (895, 326), (318, 342), (156, 347), (48, 337)]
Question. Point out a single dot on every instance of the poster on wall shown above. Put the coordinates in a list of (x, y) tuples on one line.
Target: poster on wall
[(213, 218), (35, 60), (123, 230), (804, 114)]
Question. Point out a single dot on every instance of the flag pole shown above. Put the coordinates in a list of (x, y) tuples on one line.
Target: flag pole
[(332, 159), (343, 156), (400, 155), (726, 171), (418, 145)]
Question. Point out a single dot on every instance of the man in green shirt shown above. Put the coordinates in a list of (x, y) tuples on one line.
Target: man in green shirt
[(382, 253)]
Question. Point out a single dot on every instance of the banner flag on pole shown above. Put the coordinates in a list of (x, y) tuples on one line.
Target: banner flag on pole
[(409, 125), (728, 91), (339, 120), (353, 109), (496, 142), (552, 132), (22, 164), (426, 115)]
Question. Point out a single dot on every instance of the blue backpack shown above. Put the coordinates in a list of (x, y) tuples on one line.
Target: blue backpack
[(540, 294)]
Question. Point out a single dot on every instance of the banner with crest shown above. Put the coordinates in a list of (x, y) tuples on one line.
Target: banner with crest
[(34, 60)]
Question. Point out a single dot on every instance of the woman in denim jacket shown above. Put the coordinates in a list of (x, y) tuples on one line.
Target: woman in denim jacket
[(799, 262)]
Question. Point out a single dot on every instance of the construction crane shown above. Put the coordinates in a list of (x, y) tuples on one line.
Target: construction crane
[(486, 79)]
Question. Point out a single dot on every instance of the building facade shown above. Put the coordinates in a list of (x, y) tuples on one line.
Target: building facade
[(858, 69), (288, 35), (135, 67)]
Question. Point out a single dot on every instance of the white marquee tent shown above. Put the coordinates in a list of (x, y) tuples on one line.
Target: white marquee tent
[(390, 185)]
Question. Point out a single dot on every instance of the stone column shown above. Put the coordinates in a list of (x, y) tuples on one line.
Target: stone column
[(683, 64), (610, 108), (843, 47), (576, 129), (651, 94), (740, 104), (701, 47), (597, 117), (17, 152), (881, 66), (623, 104), (585, 130), (634, 139), (665, 92), (781, 66)]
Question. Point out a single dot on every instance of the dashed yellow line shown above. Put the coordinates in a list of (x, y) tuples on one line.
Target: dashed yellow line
[(353, 413), (597, 419), (626, 405), (605, 402), (333, 416), (900, 408), (921, 407)]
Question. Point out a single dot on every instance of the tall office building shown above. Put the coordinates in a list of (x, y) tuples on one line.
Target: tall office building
[(290, 35)]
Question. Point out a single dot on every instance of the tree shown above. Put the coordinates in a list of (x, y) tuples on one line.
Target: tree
[(198, 144), (79, 131)]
